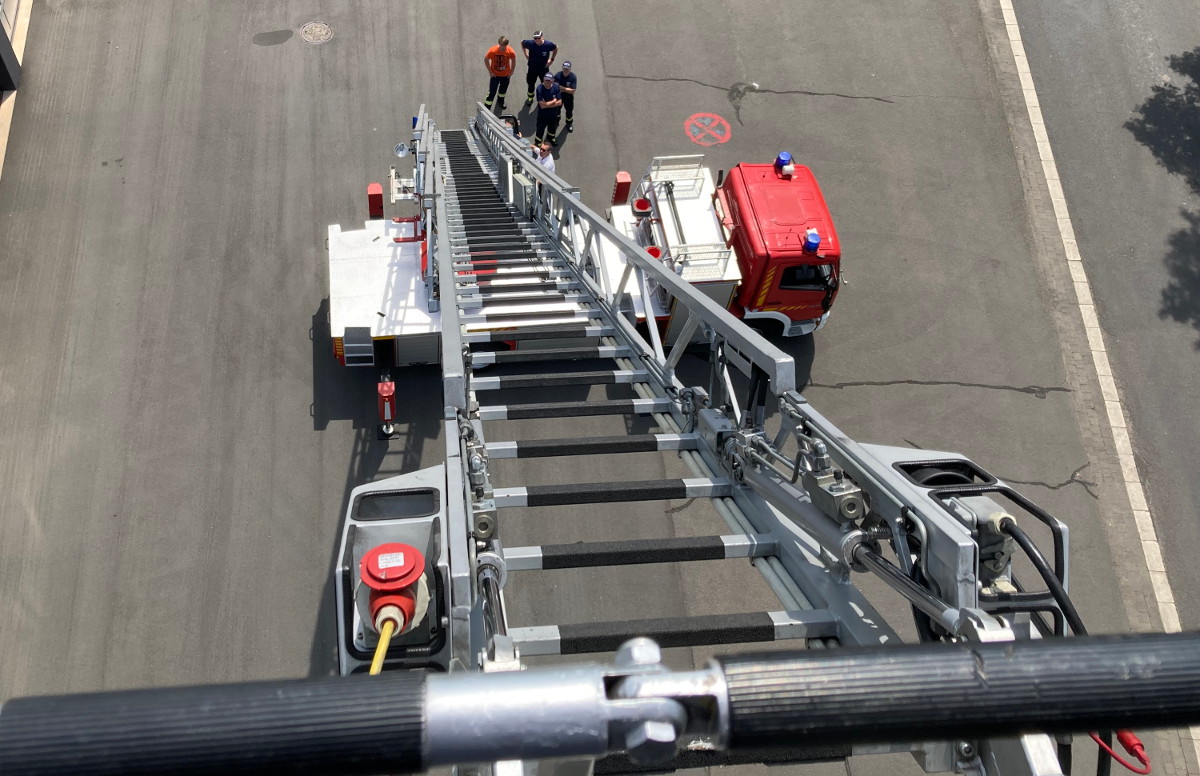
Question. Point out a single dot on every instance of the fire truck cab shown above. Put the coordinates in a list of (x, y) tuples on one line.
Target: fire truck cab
[(786, 246), (760, 241)]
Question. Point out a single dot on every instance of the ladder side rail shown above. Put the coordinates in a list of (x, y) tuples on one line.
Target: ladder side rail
[(648, 355), (588, 261), (797, 527), (949, 548), (779, 366), (427, 176), (660, 358), (653, 357), (455, 376), (949, 554), (464, 590)]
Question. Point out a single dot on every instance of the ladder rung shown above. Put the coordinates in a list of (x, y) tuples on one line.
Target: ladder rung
[(484, 215), (512, 272), (528, 291), (694, 758), (632, 443), (567, 331), (560, 354), (601, 377), (699, 631), (636, 551), (515, 261), (574, 409), (473, 290), (484, 275), (497, 300), (476, 301), (474, 234), (530, 314), (525, 252), (514, 241), (611, 492)]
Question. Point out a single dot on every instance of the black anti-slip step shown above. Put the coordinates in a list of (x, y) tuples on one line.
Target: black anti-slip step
[(515, 261), (610, 492), (487, 302), (557, 354), (486, 287), (506, 272), (609, 445), (529, 313), (604, 377), (704, 630), (632, 552), (554, 331), (573, 409)]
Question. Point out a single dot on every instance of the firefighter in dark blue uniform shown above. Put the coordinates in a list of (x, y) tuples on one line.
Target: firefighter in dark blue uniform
[(566, 81), (540, 55), (549, 101)]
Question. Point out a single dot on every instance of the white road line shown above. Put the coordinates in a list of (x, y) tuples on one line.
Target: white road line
[(1115, 410)]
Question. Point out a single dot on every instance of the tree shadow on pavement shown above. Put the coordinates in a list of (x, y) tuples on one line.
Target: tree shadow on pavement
[(1168, 124), (1181, 297)]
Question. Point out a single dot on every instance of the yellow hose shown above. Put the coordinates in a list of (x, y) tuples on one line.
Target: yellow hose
[(385, 637)]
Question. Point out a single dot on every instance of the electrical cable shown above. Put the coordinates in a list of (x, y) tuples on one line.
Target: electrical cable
[(385, 638), (1132, 745), (1103, 739)]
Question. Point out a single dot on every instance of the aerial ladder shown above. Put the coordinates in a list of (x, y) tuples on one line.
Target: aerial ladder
[(518, 284)]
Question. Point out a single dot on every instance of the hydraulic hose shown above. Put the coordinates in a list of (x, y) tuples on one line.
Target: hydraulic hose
[(1010, 527)]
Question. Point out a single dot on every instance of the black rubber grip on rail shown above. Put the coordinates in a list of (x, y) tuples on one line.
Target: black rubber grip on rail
[(353, 725), (931, 692)]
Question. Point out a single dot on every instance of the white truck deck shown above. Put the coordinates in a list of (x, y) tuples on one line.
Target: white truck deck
[(701, 257), (376, 283)]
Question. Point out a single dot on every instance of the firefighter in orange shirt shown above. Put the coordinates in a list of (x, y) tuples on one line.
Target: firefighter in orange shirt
[(501, 60)]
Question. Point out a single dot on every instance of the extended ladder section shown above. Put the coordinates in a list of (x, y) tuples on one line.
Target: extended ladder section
[(515, 288), (544, 358)]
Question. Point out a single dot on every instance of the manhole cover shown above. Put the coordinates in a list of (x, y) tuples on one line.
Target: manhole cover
[(316, 32)]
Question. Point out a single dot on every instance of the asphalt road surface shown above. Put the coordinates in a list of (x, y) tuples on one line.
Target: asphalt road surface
[(177, 442)]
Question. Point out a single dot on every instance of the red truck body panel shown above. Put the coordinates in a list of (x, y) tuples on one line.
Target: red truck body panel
[(768, 216)]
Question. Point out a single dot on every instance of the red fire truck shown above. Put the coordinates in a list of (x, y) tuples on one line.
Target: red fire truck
[(759, 241)]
